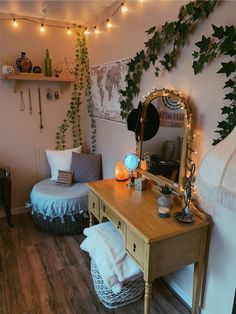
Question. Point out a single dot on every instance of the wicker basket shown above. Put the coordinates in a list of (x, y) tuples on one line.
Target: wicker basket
[(56, 226), (131, 291)]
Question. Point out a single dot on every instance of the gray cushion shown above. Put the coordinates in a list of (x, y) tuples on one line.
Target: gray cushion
[(86, 167)]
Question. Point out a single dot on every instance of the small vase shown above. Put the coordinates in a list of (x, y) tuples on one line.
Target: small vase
[(23, 64), (164, 200)]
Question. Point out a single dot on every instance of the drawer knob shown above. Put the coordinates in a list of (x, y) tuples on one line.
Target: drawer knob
[(93, 205), (134, 247), (119, 224)]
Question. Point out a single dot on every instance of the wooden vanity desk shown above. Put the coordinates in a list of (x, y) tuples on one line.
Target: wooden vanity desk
[(159, 245)]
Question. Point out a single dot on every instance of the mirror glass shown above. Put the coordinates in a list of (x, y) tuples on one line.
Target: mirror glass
[(163, 157)]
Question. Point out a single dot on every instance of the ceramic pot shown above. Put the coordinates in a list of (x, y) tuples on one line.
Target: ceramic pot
[(37, 69), (23, 64)]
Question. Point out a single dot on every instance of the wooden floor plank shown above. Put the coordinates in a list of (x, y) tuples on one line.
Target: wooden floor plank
[(45, 274)]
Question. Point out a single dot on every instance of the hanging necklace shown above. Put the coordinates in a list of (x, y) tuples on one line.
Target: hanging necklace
[(22, 102)]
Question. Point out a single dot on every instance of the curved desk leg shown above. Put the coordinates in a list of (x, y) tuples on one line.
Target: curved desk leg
[(147, 297)]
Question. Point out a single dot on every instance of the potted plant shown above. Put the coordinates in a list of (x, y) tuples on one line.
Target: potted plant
[(164, 201)]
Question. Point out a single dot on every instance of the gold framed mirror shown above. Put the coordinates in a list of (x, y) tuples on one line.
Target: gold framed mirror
[(166, 158)]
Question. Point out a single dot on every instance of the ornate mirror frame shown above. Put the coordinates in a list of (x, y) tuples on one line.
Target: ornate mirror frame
[(186, 161)]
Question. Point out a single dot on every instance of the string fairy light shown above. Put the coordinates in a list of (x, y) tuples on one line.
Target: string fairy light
[(86, 31), (124, 8), (108, 23), (96, 30), (42, 26), (14, 23)]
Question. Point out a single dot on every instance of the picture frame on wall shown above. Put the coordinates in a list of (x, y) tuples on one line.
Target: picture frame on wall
[(106, 81)]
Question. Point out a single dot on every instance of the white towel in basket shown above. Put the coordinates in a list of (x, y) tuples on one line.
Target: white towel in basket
[(105, 245)]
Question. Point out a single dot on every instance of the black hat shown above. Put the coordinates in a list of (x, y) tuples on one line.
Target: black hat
[(151, 125)]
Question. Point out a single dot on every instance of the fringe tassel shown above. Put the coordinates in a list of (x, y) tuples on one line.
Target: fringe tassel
[(28, 204), (216, 194)]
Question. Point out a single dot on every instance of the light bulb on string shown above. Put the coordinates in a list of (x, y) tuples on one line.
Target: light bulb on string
[(42, 28), (86, 31), (108, 23), (124, 8), (14, 23), (96, 30), (69, 31)]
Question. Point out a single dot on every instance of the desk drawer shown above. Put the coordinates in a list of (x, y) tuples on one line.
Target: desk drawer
[(135, 246), (107, 212), (93, 203)]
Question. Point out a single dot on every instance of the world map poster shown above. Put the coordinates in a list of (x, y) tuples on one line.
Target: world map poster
[(106, 81)]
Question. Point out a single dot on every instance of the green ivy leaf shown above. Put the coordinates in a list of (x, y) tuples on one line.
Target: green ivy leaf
[(131, 65), (218, 31), (197, 67), (226, 110), (227, 47), (230, 83), (230, 32), (203, 44), (146, 64), (122, 92), (227, 68), (152, 58), (197, 13), (195, 54), (190, 8), (222, 125), (208, 6), (230, 96), (151, 30), (182, 12), (157, 70), (215, 142)]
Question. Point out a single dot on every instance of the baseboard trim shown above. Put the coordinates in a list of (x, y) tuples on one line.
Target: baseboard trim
[(181, 293), (15, 211)]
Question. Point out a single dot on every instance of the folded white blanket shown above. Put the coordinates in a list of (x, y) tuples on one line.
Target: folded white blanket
[(105, 245)]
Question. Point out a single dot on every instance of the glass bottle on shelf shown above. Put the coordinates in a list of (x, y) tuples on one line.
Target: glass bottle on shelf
[(23, 64), (48, 64)]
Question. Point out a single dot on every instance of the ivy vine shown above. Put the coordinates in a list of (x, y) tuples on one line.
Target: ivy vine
[(173, 36), (221, 42), (81, 88)]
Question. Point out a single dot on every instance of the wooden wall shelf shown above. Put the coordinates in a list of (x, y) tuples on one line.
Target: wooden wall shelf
[(31, 77)]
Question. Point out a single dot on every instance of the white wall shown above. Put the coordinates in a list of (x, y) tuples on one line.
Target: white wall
[(19, 132), (206, 95)]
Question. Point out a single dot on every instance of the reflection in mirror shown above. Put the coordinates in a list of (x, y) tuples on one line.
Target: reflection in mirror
[(164, 155)]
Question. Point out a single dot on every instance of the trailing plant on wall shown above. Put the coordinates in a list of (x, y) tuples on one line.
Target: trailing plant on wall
[(221, 42), (172, 37), (81, 88)]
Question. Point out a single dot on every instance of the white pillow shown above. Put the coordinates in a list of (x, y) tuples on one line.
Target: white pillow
[(60, 160)]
